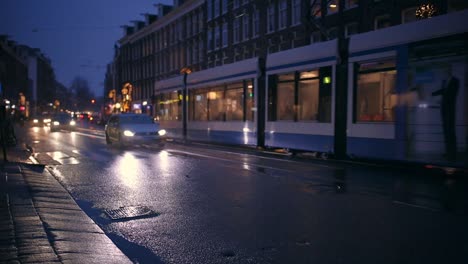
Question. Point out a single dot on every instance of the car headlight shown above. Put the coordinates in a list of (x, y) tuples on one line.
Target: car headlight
[(56, 123), (47, 120), (72, 123), (162, 132), (128, 133), (35, 121)]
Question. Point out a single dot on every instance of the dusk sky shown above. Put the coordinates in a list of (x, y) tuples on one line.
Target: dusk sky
[(77, 35)]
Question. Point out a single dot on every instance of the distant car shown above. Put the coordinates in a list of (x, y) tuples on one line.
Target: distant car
[(126, 129), (62, 121), (41, 120)]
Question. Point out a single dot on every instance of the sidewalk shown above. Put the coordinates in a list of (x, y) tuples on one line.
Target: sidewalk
[(41, 223)]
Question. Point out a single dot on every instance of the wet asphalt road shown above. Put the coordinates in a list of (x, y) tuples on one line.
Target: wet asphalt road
[(219, 205)]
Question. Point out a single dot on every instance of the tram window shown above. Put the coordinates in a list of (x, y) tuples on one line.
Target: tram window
[(308, 100), (216, 104), (200, 105), (285, 97), (300, 96), (235, 102), (249, 102), (375, 99), (168, 107)]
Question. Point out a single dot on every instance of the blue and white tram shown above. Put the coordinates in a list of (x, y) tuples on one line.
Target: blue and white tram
[(394, 73), (221, 104), (393, 109), (300, 98)]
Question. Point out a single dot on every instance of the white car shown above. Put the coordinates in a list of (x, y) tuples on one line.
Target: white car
[(128, 128)]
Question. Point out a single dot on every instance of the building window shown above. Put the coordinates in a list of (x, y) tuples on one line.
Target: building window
[(271, 18), (375, 98), (200, 22), (351, 29), (315, 8), (332, 7), (224, 6), (216, 8), (246, 21), (457, 5), (236, 4), (236, 30), (351, 4), (296, 12), (217, 37), (382, 22), (409, 15), (225, 34), (195, 24), (209, 9), (209, 41), (283, 14), (255, 23), (195, 52), (201, 50)]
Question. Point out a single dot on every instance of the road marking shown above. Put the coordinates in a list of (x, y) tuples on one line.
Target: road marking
[(228, 160), (90, 135), (417, 206)]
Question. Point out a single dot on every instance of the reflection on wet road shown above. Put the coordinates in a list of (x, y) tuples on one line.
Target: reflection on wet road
[(214, 205)]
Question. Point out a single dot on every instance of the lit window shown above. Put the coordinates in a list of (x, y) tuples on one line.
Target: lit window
[(300, 96), (199, 106), (375, 97), (216, 104), (332, 7)]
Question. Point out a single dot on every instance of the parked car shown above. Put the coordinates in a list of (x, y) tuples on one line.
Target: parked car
[(62, 121), (128, 128)]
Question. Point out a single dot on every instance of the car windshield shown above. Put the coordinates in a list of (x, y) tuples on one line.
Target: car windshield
[(62, 117), (136, 119)]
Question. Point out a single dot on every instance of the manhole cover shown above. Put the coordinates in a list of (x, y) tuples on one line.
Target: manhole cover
[(131, 212)]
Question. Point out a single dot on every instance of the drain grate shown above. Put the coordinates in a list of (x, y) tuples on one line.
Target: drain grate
[(131, 212)]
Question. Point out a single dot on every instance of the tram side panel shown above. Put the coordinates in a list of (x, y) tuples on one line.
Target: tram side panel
[(300, 98), (222, 106)]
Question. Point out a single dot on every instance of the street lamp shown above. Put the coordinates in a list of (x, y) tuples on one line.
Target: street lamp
[(185, 71)]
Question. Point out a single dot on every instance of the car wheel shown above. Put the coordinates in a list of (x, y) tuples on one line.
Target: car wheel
[(108, 141)]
